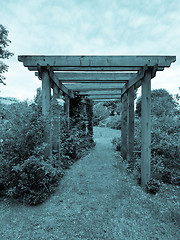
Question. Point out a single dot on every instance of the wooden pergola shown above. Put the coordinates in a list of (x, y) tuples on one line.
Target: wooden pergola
[(102, 78)]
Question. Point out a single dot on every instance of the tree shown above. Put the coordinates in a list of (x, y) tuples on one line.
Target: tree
[(4, 53), (163, 103)]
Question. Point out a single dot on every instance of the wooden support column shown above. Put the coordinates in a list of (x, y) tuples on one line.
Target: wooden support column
[(46, 109), (130, 142), (146, 129), (56, 118), (66, 111), (124, 126), (89, 111)]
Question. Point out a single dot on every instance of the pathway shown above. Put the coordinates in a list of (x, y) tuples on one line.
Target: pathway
[(96, 200)]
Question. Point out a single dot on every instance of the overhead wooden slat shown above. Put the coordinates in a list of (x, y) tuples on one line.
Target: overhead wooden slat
[(105, 100), (90, 69), (98, 61), (104, 97), (110, 92), (94, 76), (93, 86)]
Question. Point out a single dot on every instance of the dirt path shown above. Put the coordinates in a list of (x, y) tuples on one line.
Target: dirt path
[(95, 200)]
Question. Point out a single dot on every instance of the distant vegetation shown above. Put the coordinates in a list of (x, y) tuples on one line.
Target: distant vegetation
[(4, 52)]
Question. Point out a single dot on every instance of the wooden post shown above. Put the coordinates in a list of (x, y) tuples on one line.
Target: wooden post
[(46, 110), (146, 129), (89, 111), (66, 111), (124, 126), (56, 118), (130, 133)]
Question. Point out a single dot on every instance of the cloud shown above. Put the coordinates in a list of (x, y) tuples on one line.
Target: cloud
[(88, 27)]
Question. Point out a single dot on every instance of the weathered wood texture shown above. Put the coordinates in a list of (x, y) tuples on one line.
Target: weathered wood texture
[(66, 111), (89, 112), (59, 84), (94, 76), (146, 129), (130, 132), (96, 61), (56, 118), (110, 92), (104, 96), (93, 86), (46, 110), (124, 126)]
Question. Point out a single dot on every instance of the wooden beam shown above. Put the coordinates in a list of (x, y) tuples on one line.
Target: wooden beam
[(59, 84), (95, 69), (124, 104), (46, 110), (146, 129), (104, 97), (135, 81), (105, 100), (96, 61), (89, 112), (93, 86), (106, 92), (130, 133), (66, 111), (56, 118), (94, 76)]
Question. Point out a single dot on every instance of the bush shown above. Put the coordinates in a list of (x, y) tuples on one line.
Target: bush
[(73, 144), (33, 181), (165, 135), (153, 186), (113, 122)]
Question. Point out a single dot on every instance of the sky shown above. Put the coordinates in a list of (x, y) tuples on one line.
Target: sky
[(103, 27)]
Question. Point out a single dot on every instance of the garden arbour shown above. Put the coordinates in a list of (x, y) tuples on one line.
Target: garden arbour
[(97, 78)]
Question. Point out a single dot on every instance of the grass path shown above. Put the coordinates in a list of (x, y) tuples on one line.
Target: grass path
[(96, 199)]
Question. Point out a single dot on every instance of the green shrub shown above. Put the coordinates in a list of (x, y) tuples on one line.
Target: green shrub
[(153, 186), (25, 173), (165, 147), (33, 181)]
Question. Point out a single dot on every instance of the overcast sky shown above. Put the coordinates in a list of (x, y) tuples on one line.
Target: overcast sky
[(123, 27)]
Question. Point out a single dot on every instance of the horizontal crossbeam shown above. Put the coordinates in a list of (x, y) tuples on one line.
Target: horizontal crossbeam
[(104, 97), (96, 61), (94, 76), (63, 88), (107, 92), (94, 86)]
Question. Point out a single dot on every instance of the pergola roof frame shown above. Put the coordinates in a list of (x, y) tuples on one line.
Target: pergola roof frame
[(89, 76)]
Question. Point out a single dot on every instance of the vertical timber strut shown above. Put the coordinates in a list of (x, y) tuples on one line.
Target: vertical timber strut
[(130, 141), (66, 111), (56, 118), (46, 109), (146, 129), (124, 126)]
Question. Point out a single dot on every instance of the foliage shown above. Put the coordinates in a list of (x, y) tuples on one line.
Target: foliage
[(153, 186), (100, 112), (165, 135), (4, 53), (32, 181), (113, 122), (163, 103), (25, 172), (113, 107)]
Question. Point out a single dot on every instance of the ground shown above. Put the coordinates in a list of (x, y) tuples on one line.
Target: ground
[(96, 199)]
